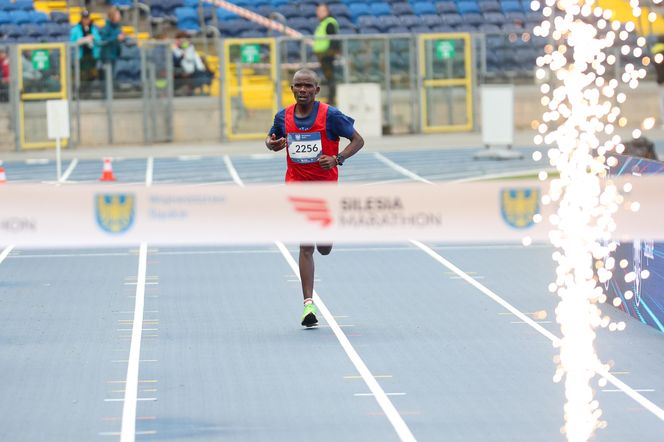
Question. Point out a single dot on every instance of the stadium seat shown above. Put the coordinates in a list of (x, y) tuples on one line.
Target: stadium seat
[(5, 18), (339, 10), (378, 9), (467, 7), (489, 28), (451, 19), (187, 19), (511, 27), (431, 20), (277, 3), (19, 17), (410, 20), (519, 17), (357, 10), (473, 18), (489, 6), (37, 17), (59, 17), (369, 31), (511, 6), (402, 9), (289, 11), (223, 15), (446, 7), (420, 29), (11, 31), (23, 5), (421, 8), (398, 30), (32, 31), (494, 18)]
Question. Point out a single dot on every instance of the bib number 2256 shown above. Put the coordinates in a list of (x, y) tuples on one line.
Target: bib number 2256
[(305, 147)]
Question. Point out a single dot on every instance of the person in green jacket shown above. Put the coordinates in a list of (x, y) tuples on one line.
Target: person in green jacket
[(86, 35), (325, 49)]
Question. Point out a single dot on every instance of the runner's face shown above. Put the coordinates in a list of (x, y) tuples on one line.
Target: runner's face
[(304, 89)]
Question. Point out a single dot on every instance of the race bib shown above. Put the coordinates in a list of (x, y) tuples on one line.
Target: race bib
[(305, 148)]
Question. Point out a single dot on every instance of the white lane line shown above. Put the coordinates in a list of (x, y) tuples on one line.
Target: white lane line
[(34, 161), (123, 400), (371, 394), (128, 428), (386, 405), (643, 390), (402, 170), (70, 169), (645, 403), (5, 253), (190, 157), (149, 171), (502, 175), (232, 171)]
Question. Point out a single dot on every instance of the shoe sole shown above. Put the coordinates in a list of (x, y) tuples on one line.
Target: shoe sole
[(309, 320)]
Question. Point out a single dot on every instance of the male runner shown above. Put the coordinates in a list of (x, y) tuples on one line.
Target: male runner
[(320, 126)]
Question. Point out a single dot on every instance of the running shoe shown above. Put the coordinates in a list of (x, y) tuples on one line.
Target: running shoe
[(309, 315)]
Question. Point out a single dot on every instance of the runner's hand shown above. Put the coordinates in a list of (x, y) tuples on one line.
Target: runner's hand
[(275, 144), (327, 162)]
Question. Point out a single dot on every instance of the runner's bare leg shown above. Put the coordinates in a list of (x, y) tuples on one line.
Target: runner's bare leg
[(306, 262)]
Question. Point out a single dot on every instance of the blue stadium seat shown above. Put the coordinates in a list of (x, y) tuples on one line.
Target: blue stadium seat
[(489, 6), (253, 33), (370, 21), (277, 3), (467, 7), (59, 17), (19, 17), (533, 17), (379, 9), (307, 10), (301, 24), (264, 10), (511, 6), (339, 10), (421, 8), (420, 29), (223, 15), (369, 31), (398, 30), (410, 20), (357, 10), (24, 5), (187, 19), (11, 31), (473, 18), (511, 27), (489, 28), (443, 29), (388, 21), (451, 19), (465, 28), (494, 18), (446, 7), (31, 30), (4, 18), (289, 11), (402, 9), (37, 17), (187, 3), (122, 4), (518, 16), (431, 20)]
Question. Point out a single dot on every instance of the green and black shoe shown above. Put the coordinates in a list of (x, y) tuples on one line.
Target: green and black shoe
[(309, 315)]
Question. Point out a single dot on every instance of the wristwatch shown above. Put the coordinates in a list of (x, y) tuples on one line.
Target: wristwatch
[(340, 159)]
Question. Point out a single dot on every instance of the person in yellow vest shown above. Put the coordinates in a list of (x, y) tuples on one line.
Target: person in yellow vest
[(658, 53), (325, 49)]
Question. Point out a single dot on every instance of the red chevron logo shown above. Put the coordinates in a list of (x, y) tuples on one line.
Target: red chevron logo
[(315, 209)]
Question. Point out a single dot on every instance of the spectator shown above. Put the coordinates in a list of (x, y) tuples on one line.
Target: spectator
[(190, 70), (658, 51), (87, 36), (112, 37), (4, 67), (327, 50)]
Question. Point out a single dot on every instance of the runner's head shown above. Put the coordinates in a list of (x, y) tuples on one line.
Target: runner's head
[(305, 86)]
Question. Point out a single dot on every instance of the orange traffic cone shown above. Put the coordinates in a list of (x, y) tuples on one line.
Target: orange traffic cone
[(3, 175), (107, 173)]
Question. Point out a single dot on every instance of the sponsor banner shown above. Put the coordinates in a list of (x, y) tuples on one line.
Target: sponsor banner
[(641, 294), (97, 215)]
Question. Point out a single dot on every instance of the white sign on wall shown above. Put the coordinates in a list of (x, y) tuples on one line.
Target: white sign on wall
[(363, 103)]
